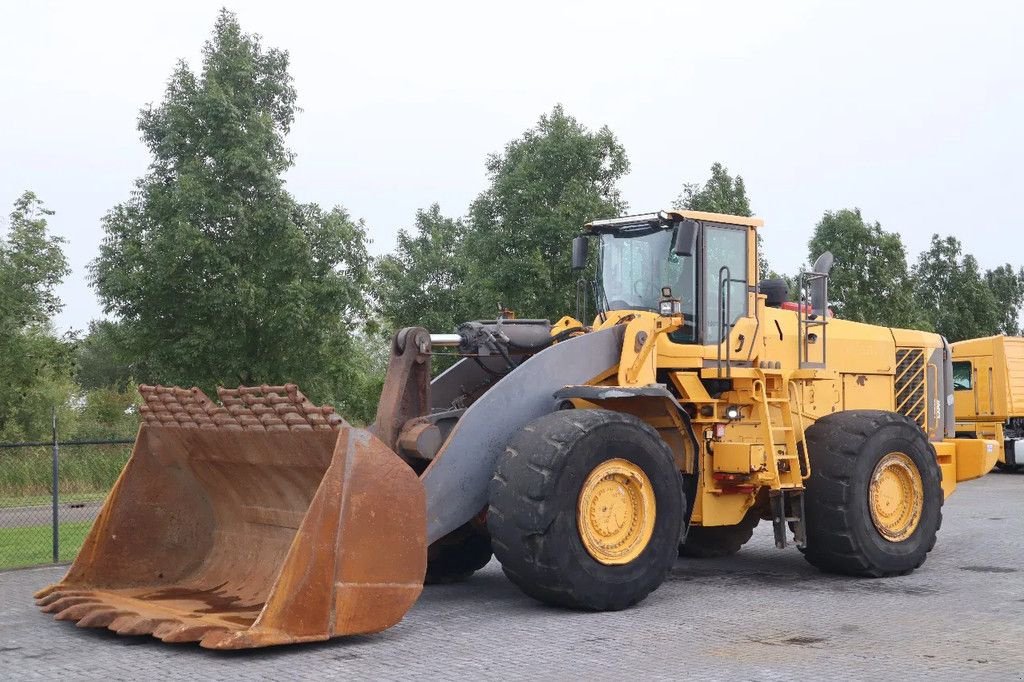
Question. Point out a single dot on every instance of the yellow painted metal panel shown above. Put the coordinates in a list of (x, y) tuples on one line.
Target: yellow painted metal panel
[(974, 457), (945, 454), (732, 458)]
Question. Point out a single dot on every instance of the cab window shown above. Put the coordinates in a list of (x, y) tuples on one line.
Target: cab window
[(962, 375), (725, 275)]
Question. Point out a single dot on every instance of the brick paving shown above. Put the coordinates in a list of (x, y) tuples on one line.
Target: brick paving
[(762, 615)]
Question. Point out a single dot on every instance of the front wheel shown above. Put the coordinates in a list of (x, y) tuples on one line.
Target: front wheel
[(586, 510), (873, 504)]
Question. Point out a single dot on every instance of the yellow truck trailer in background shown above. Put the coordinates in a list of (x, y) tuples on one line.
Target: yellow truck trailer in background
[(988, 390)]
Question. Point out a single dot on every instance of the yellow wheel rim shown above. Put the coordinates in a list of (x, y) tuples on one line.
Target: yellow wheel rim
[(615, 512), (896, 497)]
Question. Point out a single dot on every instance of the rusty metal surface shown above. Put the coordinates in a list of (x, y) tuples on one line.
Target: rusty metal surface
[(457, 478), (406, 391), (264, 520)]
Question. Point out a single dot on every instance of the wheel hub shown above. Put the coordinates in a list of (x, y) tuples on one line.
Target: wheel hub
[(896, 497), (615, 512)]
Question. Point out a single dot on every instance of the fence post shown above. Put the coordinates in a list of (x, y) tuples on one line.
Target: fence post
[(55, 493)]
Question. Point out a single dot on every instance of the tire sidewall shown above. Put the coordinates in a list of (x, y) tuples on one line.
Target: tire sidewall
[(587, 575), (885, 554)]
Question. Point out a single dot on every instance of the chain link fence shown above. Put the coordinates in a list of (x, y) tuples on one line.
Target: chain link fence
[(50, 493)]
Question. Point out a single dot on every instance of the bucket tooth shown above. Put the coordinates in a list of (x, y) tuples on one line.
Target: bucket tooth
[(124, 622), (218, 639), (63, 603), (49, 589), (53, 595), (100, 618), (140, 625), (166, 627), (186, 633), (79, 611)]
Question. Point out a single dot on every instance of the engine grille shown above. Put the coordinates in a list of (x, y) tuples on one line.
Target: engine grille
[(909, 385)]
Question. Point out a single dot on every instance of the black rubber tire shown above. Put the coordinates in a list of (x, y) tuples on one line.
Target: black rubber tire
[(844, 449), (1009, 468), (533, 509), (457, 556), (719, 541)]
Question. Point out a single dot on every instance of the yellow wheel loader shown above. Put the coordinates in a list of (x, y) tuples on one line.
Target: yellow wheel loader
[(587, 457)]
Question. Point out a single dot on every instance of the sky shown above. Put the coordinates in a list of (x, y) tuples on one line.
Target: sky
[(911, 111)]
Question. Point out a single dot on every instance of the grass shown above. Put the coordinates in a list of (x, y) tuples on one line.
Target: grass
[(7, 501), (33, 545), (84, 473)]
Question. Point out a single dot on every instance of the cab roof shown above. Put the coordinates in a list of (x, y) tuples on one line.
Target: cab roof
[(666, 217)]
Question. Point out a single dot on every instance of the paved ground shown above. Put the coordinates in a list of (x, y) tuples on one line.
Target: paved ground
[(23, 517), (764, 614)]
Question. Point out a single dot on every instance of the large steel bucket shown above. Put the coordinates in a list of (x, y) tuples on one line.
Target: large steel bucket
[(266, 520)]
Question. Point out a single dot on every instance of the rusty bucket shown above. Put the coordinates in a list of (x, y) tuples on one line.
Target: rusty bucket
[(263, 520)]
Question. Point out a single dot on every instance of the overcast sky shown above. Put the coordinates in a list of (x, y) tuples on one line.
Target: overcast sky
[(911, 111)]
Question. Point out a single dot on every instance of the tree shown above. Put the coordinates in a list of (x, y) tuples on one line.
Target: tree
[(869, 281), (543, 188), (423, 283), (217, 274), (1008, 288), (722, 193), (35, 371), (102, 358), (953, 294)]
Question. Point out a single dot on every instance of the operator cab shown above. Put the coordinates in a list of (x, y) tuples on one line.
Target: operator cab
[(705, 260)]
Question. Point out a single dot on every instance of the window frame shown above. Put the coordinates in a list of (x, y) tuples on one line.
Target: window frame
[(706, 337), (970, 375)]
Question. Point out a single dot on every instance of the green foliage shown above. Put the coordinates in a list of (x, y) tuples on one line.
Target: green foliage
[(1008, 288), (543, 188), (423, 283), (870, 281), (103, 358), (722, 193), (952, 293), (35, 368), (217, 274), (108, 413)]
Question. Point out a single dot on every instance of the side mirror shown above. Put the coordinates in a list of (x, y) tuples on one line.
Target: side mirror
[(823, 264), (685, 242), (579, 253), (819, 285)]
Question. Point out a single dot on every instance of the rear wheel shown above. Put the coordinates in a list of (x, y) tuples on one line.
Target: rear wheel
[(586, 510), (717, 541), (874, 499), (458, 555)]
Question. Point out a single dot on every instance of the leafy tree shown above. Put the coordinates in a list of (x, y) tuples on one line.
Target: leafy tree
[(1008, 288), (110, 412), (102, 358), (952, 293), (423, 283), (544, 187), (218, 274), (869, 281), (722, 193), (35, 371)]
